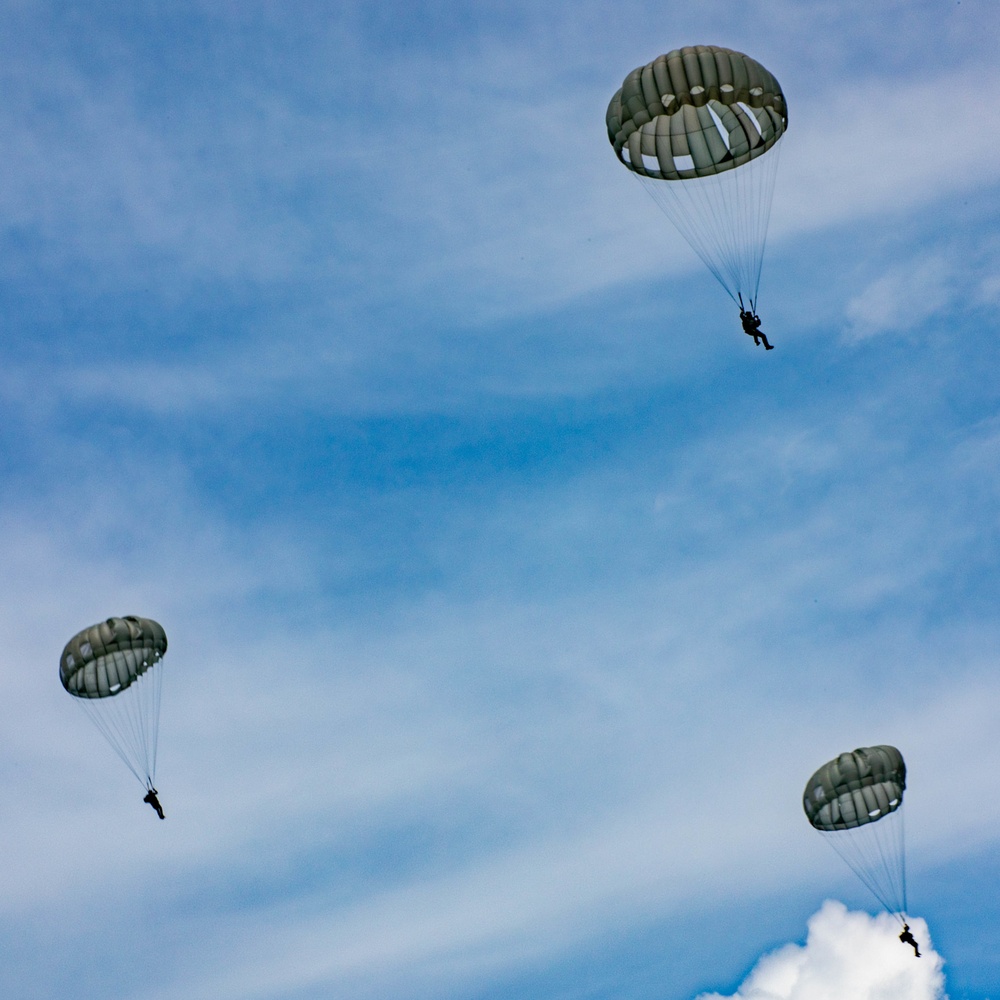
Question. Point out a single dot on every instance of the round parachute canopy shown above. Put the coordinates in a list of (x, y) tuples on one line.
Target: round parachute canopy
[(855, 789), (105, 659), (108, 668), (699, 127), (695, 112), (855, 802)]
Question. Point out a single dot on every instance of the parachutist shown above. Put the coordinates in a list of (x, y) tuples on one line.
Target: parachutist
[(705, 151), (855, 801), (751, 327), (151, 798), (114, 668), (907, 938)]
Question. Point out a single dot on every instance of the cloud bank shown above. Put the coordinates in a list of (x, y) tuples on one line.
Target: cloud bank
[(846, 954)]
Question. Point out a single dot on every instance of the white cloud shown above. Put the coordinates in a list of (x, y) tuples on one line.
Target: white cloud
[(851, 151), (989, 289), (847, 954), (551, 726), (511, 202), (524, 196), (902, 298)]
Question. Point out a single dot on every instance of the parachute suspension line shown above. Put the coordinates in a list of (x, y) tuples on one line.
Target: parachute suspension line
[(110, 724), (875, 853), (902, 864), (694, 213), (763, 220), (724, 218), (129, 721), (747, 206), (151, 717)]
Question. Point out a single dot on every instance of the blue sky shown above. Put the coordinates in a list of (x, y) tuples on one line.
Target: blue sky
[(512, 596)]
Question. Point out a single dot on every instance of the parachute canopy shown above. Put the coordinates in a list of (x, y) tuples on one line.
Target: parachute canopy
[(111, 668), (856, 788), (695, 112), (855, 801), (103, 660), (693, 125)]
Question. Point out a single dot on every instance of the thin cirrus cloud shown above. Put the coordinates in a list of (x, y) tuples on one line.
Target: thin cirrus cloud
[(903, 298), (526, 191), (548, 881), (550, 239)]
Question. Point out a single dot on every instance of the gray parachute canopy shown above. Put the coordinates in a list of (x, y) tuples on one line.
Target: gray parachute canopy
[(103, 660), (855, 789), (108, 670), (695, 112), (699, 127)]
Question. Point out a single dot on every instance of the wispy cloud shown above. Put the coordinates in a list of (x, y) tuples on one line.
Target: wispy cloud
[(557, 747), (500, 163), (902, 299)]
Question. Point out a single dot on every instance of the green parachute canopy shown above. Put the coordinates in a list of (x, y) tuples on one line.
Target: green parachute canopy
[(855, 800), (113, 671), (693, 125)]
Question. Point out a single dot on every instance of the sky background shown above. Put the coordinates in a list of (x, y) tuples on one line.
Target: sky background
[(512, 595)]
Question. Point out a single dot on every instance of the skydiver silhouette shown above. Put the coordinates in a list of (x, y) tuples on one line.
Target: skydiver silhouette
[(151, 798), (751, 325), (907, 938)]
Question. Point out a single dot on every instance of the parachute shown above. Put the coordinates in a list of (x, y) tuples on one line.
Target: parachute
[(112, 669), (855, 801), (700, 127)]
